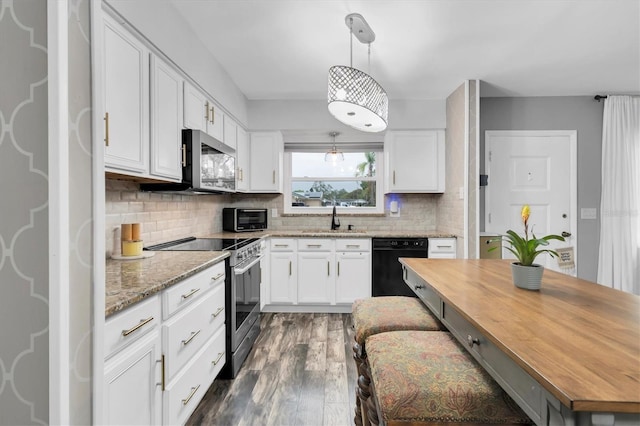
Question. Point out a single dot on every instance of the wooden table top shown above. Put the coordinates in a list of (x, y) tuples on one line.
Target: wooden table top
[(578, 339)]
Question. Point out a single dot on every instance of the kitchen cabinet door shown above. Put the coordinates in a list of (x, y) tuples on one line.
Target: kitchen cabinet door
[(415, 161), (353, 276), (282, 288), (315, 277), (230, 132), (126, 100), (266, 160), (201, 113), (132, 384), (242, 160), (166, 121)]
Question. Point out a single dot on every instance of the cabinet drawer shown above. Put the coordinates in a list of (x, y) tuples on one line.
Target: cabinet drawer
[(183, 394), (129, 325), (283, 244), (443, 248), (518, 384), (355, 244), (191, 289), (315, 244), (423, 290), (185, 333)]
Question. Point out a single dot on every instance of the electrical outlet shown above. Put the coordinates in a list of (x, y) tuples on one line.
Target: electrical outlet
[(274, 212)]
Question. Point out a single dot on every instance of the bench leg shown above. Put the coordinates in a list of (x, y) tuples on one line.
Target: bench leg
[(361, 418)]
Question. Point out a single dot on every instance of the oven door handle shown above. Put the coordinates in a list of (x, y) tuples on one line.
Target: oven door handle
[(240, 271)]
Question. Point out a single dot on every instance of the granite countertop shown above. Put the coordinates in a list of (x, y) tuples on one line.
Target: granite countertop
[(320, 233), (129, 281)]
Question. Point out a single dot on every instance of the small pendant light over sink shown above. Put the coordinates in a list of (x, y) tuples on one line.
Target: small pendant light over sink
[(333, 155), (354, 97)]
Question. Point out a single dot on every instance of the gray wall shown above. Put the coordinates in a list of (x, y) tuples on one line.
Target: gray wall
[(581, 113), (24, 214)]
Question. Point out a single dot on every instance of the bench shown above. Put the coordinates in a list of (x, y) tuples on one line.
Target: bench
[(378, 315), (428, 378)]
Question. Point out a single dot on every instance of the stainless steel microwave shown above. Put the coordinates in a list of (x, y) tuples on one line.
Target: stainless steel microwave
[(208, 166), (243, 219)]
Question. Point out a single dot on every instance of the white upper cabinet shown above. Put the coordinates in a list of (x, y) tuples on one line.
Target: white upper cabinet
[(200, 113), (415, 161), (166, 120), (266, 160), (242, 160), (126, 100), (230, 132)]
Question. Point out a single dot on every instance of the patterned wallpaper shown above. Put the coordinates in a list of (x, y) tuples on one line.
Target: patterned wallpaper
[(24, 286), (24, 216)]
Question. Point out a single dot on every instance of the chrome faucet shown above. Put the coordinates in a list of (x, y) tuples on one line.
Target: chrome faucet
[(335, 222)]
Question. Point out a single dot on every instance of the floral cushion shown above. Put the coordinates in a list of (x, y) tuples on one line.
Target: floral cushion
[(429, 377), (391, 313)]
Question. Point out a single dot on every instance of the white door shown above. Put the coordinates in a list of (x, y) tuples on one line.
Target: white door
[(536, 168)]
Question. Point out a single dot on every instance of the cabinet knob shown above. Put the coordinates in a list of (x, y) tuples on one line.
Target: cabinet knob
[(418, 287), (472, 341)]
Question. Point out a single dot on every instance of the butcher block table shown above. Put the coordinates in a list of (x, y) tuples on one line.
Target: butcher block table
[(568, 354)]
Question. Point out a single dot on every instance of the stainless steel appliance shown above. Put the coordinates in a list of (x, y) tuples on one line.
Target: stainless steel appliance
[(237, 219), (387, 271), (243, 278), (208, 166)]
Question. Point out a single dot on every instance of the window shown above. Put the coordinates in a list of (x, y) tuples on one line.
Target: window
[(313, 185)]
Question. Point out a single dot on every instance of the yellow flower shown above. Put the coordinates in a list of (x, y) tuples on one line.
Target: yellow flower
[(526, 211)]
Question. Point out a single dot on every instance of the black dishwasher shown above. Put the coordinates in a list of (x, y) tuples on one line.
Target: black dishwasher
[(387, 270)]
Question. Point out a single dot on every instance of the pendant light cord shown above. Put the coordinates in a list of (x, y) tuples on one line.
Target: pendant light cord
[(351, 41)]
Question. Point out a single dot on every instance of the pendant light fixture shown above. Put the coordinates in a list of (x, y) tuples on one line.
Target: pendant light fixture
[(354, 97), (333, 155)]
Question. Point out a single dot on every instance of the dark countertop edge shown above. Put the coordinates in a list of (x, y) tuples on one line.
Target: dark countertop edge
[(137, 296)]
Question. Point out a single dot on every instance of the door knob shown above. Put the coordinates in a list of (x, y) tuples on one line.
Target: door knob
[(566, 234)]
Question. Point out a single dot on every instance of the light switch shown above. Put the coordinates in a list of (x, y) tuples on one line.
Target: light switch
[(274, 212), (588, 213)]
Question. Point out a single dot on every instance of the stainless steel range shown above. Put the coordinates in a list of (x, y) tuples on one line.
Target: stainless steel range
[(243, 278)]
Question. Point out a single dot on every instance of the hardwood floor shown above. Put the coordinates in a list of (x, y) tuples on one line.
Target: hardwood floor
[(299, 372)]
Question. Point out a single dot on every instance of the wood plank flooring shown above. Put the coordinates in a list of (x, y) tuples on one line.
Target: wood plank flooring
[(299, 372)]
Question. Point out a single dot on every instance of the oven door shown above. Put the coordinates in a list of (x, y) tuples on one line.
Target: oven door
[(246, 294)]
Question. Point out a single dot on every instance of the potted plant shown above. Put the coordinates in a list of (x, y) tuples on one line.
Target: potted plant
[(527, 274)]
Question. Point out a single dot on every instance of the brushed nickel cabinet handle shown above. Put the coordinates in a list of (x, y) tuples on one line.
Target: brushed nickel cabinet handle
[(106, 128), (353, 245), (193, 334), (188, 398), (213, 115), (216, 313), (220, 275), (206, 110), (314, 245), (289, 268), (184, 155), (137, 327), (328, 273), (338, 269), (274, 176), (217, 360), (191, 293), (282, 245), (394, 177)]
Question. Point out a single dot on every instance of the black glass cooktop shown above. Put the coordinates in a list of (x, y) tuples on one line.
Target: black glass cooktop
[(203, 244)]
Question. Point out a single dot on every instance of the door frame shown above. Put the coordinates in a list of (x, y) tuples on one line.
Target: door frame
[(573, 173)]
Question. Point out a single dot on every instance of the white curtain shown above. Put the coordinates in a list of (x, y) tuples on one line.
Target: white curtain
[(619, 253)]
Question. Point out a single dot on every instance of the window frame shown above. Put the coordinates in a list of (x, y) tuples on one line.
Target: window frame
[(379, 180)]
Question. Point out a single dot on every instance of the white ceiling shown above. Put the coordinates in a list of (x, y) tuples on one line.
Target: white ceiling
[(424, 49)]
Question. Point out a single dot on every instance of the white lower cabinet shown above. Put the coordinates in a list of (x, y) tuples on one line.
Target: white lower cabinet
[(184, 392), (442, 248), (283, 272), (156, 372), (318, 272)]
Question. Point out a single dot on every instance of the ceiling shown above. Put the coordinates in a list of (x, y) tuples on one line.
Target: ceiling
[(424, 49)]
